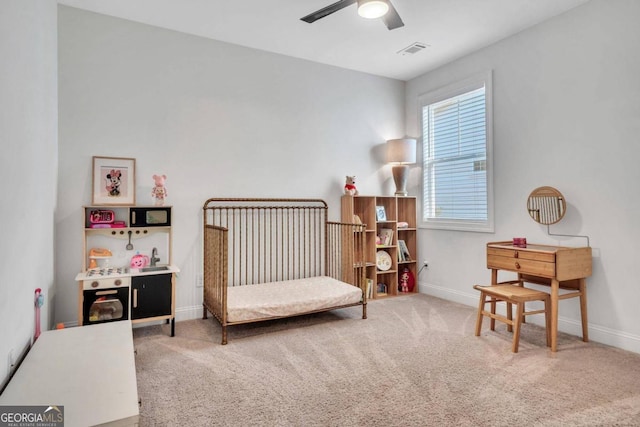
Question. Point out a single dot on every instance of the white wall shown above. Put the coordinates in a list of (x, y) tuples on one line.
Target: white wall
[(219, 120), (566, 114), (28, 165), (222, 120)]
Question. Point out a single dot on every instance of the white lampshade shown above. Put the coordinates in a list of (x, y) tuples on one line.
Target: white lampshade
[(402, 151), (372, 9)]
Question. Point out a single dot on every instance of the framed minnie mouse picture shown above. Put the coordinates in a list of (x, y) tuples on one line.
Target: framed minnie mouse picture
[(114, 181)]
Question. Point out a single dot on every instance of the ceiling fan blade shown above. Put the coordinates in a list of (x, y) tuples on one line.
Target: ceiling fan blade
[(312, 17), (392, 20)]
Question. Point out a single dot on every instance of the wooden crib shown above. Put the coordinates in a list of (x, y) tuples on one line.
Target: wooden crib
[(273, 258)]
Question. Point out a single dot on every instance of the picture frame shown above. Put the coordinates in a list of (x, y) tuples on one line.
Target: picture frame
[(386, 236), (381, 214), (114, 181)]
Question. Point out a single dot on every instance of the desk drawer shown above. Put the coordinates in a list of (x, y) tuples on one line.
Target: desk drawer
[(522, 265), (520, 254)]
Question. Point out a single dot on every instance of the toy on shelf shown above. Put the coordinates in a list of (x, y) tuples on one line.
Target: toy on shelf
[(406, 281), (159, 191), (96, 254), (350, 186), (139, 261)]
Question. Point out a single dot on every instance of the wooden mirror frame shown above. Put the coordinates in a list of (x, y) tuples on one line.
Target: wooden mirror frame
[(546, 205)]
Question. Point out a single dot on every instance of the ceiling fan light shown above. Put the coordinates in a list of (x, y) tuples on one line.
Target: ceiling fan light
[(372, 9)]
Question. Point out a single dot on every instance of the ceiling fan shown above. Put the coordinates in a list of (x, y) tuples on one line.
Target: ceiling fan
[(366, 8)]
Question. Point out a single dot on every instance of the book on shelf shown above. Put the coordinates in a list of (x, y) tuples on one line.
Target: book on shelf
[(400, 254), (386, 237), (382, 289), (403, 251), (369, 288)]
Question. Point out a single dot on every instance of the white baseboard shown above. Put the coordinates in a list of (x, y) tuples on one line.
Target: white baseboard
[(597, 333), (189, 313), (184, 313)]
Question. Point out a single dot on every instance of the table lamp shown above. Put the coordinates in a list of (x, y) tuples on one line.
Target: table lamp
[(401, 153)]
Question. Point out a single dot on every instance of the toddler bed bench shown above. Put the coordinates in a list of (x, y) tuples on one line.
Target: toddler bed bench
[(272, 258)]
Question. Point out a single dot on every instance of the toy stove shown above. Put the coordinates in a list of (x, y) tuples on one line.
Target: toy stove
[(107, 271)]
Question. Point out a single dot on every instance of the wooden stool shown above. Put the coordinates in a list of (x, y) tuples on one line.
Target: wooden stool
[(511, 293)]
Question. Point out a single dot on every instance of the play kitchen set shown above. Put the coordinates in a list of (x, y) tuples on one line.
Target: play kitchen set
[(127, 270)]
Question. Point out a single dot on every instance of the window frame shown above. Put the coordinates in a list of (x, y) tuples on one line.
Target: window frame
[(450, 91)]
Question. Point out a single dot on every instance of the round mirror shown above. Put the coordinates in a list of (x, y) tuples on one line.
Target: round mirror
[(546, 205)]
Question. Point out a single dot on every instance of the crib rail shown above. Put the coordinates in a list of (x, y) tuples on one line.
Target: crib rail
[(215, 272), (345, 253), (272, 239)]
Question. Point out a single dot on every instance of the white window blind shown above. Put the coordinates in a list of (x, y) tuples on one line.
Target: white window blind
[(456, 179)]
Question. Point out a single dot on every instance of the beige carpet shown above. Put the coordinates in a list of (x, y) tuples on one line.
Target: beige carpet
[(414, 362)]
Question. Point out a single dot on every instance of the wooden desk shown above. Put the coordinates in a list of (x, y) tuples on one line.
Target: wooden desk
[(89, 370), (559, 267)]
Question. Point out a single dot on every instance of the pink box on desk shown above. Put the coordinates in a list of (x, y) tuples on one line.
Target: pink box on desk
[(520, 242)]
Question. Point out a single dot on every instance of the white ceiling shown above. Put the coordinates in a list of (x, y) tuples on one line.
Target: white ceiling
[(451, 28)]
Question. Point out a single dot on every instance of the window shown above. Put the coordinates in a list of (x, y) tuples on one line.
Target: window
[(456, 142)]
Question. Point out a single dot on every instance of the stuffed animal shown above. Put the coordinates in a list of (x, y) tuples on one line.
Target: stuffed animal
[(350, 187), (159, 191)]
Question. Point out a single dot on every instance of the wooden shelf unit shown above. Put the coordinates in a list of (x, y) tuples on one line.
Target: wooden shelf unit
[(116, 238), (398, 210)]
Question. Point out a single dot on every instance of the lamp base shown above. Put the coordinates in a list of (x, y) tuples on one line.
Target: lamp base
[(400, 174)]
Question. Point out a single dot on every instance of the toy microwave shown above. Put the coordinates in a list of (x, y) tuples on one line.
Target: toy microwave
[(101, 218), (150, 216)]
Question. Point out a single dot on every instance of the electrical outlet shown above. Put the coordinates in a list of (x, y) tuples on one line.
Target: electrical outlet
[(199, 281)]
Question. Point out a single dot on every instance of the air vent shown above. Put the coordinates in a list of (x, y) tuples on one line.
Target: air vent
[(413, 48)]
